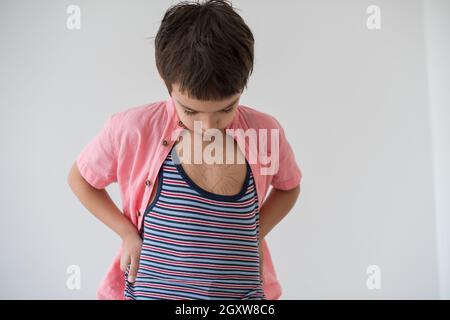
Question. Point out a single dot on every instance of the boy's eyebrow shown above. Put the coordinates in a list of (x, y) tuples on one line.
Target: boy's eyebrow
[(186, 107)]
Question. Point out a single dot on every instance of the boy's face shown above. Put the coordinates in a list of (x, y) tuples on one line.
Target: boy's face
[(211, 114)]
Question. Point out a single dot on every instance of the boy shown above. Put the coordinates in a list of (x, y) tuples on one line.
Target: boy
[(182, 236)]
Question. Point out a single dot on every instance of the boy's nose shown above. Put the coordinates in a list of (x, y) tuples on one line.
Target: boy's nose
[(208, 123)]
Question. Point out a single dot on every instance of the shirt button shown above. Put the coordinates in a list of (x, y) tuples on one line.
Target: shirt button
[(165, 143), (148, 182)]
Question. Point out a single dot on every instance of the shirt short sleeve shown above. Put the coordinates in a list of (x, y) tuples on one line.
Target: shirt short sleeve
[(289, 174), (97, 161)]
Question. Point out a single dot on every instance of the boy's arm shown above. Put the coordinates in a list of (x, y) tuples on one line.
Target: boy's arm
[(285, 191), (95, 168), (285, 183), (99, 203), (275, 208)]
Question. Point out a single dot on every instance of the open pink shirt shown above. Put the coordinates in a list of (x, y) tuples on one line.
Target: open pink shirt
[(130, 150)]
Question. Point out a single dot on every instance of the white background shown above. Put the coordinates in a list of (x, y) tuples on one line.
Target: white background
[(366, 111)]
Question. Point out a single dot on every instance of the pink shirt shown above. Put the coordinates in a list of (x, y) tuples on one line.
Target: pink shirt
[(132, 146)]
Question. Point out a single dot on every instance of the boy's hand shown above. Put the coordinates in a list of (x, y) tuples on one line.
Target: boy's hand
[(131, 244)]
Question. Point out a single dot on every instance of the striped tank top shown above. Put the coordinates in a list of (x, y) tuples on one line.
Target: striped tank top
[(198, 244)]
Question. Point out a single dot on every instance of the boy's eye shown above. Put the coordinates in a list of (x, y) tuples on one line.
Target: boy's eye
[(189, 113), (228, 110)]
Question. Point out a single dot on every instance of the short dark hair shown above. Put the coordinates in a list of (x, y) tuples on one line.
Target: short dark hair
[(206, 48)]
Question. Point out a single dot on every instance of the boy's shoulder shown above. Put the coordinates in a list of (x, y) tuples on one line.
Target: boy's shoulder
[(258, 119), (147, 116), (136, 113)]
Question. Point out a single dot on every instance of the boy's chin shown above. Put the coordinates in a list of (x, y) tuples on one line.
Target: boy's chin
[(207, 133)]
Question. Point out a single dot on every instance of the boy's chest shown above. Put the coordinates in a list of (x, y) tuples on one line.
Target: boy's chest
[(226, 178)]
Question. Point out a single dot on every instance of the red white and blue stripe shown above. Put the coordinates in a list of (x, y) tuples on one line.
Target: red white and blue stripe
[(198, 244)]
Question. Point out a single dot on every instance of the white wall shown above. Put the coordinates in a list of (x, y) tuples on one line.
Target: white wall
[(359, 117), (437, 28), (354, 104)]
